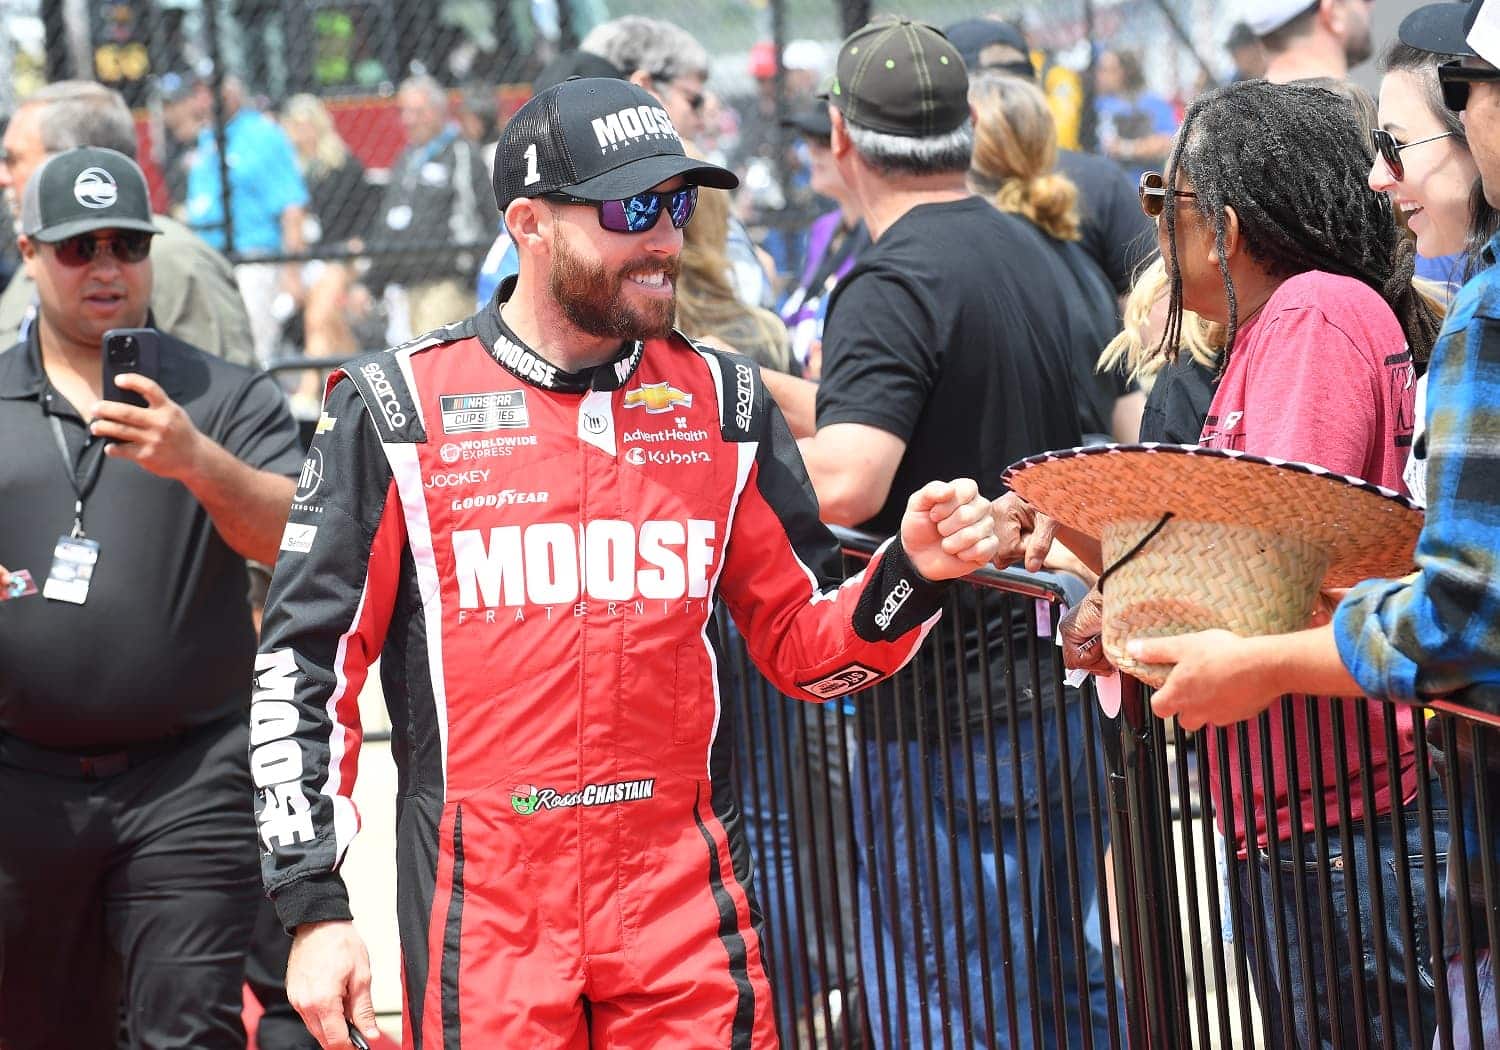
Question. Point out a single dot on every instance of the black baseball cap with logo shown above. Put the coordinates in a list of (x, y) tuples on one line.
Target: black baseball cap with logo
[(596, 139), (902, 78), (85, 189)]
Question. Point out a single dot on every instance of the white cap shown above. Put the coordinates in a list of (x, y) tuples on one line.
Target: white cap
[(805, 54), (1267, 16), (1484, 34)]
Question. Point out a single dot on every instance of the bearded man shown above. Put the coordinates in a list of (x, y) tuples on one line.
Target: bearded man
[(529, 516)]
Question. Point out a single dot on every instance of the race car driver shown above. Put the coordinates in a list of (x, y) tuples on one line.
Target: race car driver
[(528, 516)]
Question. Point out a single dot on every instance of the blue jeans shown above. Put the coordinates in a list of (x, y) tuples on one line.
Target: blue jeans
[(916, 984), (1311, 1009)]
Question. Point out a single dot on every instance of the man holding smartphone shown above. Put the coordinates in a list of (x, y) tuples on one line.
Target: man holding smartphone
[(127, 857)]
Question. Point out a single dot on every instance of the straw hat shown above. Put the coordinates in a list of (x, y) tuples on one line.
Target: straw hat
[(1196, 538)]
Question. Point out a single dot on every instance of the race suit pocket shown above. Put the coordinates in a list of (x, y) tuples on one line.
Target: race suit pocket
[(691, 707)]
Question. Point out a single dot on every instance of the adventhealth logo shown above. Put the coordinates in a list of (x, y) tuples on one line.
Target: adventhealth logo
[(526, 799)]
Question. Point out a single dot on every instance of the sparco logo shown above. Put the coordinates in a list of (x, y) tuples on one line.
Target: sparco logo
[(620, 560), (628, 125), (390, 405), (892, 604), (527, 799), (743, 393), (663, 457), (95, 188)]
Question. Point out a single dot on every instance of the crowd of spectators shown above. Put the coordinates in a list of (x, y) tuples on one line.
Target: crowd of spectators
[(1281, 266)]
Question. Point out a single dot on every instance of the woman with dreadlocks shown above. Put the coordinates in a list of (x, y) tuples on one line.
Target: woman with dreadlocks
[(1268, 227)]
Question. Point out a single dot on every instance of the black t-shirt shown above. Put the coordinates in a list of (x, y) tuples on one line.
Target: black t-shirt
[(1178, 402), (164, 641), (952, 333), (1116, 233), (1093, 316)]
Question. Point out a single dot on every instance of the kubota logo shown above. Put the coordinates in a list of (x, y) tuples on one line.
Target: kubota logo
[(657, 397)]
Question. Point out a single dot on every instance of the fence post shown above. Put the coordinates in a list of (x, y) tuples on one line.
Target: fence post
[(221, 132), (1145, 881)]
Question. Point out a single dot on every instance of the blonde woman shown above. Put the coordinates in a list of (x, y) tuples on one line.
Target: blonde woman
[(1014, 162), (341, 209)]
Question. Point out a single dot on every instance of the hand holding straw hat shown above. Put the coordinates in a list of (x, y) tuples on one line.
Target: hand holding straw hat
[(1198, 539)]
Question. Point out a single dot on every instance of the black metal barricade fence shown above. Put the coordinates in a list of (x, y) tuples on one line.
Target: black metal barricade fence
[(931, 854), (909, 900)]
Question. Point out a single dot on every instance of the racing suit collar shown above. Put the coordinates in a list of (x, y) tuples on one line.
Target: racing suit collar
[(530, 367)]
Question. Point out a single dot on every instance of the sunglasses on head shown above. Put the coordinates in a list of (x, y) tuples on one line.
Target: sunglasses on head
[(639, 213), (1153, 192), (1390, 150), (127, 246), (1455, 77)]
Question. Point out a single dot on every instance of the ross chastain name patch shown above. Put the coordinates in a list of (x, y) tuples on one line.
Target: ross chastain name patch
[(527, 799), (496, 410)]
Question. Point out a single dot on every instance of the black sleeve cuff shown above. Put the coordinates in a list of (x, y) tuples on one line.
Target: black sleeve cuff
[(318, 898), (896, 597)]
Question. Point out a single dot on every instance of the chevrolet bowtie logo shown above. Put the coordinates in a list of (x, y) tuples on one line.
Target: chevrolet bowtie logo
[(657, 397)]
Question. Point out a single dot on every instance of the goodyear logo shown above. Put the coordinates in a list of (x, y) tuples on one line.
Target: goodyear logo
[(657, 397)]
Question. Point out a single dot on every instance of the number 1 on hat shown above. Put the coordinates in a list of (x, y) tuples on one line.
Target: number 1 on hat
[(532, 175)]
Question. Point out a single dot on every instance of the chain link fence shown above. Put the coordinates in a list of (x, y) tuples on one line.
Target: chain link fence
[(246, 106)]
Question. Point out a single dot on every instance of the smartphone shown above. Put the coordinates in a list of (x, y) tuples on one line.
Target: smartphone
[(135, 350), (355, 1038)]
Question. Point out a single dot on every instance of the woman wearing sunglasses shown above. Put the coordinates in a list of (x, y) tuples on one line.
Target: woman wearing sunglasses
[(1424, 165), (1309, 272)]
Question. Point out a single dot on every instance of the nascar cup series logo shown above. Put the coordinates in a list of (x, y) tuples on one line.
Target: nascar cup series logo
[(95, 188)]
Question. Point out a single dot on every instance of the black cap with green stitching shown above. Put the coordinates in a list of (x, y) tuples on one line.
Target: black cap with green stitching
[(902, 78)]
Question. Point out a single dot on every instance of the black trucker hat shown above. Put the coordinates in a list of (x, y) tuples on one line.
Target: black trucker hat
[(597, 139), (85, 189)]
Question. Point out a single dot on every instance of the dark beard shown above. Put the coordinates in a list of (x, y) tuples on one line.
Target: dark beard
[(593, 299)]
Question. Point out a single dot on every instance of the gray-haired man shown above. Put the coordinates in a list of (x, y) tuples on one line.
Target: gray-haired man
[(194, 296)]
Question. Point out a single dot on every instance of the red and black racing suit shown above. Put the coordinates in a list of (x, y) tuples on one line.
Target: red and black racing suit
[(534, 556)]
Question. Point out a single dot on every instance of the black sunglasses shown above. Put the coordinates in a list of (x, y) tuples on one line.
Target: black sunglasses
[(694, 99), (127, 246), (1455, 77), (640, 213), (1390, 150), (1153, 192)]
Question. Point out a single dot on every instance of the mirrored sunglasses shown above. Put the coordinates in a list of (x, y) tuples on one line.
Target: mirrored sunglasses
[(639, 213)]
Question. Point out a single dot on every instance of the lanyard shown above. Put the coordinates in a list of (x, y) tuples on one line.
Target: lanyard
[(83, 475)]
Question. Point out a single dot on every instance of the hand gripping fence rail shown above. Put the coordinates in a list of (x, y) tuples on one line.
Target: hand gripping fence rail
[(975, 854)]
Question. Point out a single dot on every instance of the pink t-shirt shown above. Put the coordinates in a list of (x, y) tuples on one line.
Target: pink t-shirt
[(1321, 375)]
